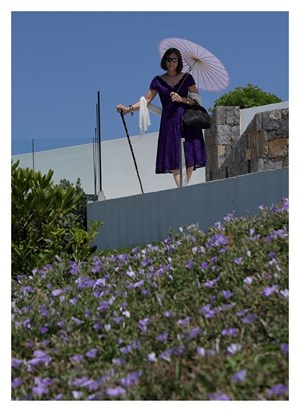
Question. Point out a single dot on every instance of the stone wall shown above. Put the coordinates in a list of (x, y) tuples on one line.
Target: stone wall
[(263, 145)]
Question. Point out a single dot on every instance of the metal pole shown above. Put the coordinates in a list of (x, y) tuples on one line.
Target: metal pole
[(32, 145), (99, 139), (128, 138), (94, 163)]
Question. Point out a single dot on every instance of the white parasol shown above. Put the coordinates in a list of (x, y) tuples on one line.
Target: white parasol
[(208, 72)]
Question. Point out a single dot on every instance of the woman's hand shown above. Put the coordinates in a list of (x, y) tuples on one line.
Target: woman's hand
[(121, 108), (175, 97)]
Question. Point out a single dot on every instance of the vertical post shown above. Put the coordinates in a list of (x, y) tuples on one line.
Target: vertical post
[(94, 164), (32, 146), (99, 139)]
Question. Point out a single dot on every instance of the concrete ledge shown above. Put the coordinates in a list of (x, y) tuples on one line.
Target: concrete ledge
[(145, 218)]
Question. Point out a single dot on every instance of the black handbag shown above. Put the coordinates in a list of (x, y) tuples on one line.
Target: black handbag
[(196, 117)]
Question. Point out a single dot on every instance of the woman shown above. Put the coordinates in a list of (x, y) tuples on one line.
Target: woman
[(171, 128)]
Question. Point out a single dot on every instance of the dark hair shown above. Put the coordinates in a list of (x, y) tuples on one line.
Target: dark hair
[(163, 63)]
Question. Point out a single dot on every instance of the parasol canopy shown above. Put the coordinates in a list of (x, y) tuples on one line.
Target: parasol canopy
[(207, 70)]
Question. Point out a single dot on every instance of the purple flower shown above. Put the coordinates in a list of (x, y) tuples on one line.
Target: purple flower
[(227, 294), (118, 361), (219, 226), (219, 396), (27, 289), (118, 319), (284, 293), (249, 318), (44, 311), (189, 264), (97, 265), (268, 291), (40, 358), (208, 312), (58, 397), (76, 358), (204, 265), (278, 390), (168, 314), (131, 379), (248, 280), (40, 390), (41, 387), (166, 355), (61, 324), (151, 357), (116, 391), (77, 394), (56, 292), (43, 329), (74, 268), (129, 348), (183, 322), (284, 347), (243, 312), (131, 273), (238, 261), (217, 240), (77, 321), (211, 283), (228, 217), (138, 284), (92, 353), (104, 305), (234, 348), (15, 363), (143, 323), (201, 351), (229, 332), (178, 350), (163, 337), (194, 333), (16, 382), (98, 287), (239, 376)]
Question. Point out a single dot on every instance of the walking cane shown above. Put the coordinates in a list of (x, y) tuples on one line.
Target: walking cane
[(128, 138)]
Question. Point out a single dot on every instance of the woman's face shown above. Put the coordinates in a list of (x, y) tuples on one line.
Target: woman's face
[(172, 61)]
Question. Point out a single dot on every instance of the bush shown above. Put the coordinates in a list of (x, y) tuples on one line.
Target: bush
[(195, 317), (45, 222), (250, 96)]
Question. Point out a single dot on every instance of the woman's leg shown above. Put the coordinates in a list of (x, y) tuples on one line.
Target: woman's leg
[(189, 171), (176, 175)]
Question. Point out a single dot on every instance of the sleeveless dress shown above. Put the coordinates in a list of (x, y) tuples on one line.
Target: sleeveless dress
[(172, 130)]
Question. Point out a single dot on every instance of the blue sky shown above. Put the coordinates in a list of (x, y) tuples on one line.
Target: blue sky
[(61, 59)]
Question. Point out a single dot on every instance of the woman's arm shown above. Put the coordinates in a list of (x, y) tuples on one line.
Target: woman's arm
[(149, 96)]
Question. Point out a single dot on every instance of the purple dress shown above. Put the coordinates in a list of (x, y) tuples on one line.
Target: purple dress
[(171, 130)]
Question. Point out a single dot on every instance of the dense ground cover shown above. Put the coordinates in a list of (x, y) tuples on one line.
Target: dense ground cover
[(195, 317)]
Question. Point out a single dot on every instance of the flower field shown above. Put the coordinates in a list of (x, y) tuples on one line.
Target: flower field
[(199, 316)]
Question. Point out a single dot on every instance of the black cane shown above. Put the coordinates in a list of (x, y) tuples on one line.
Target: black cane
[(128, 138)]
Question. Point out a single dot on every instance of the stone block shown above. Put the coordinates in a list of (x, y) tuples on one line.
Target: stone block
[(262, 144), (220, 114), (278, 148), (221, 150)]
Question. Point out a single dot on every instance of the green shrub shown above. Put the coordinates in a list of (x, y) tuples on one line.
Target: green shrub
[(249, 96), (45, 221)]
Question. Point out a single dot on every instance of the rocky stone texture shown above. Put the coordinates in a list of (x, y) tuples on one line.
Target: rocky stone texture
[(263, 145)]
